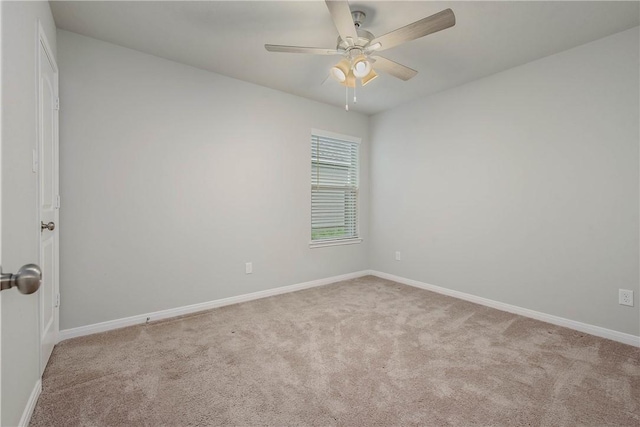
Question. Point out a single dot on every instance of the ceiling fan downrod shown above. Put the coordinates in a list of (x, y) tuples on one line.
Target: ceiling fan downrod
[(358, 18)]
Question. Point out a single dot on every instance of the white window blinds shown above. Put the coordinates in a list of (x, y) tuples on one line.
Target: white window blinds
[(334, 188)]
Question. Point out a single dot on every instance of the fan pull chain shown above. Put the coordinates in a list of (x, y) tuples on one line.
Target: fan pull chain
[(355, 100), (346, 97)]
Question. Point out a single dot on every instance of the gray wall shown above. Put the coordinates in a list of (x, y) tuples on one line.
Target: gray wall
[(20, 234), (173, 177), (521, 187)]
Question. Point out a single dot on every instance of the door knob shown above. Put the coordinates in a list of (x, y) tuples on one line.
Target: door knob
[(51, 226), (27, 279)]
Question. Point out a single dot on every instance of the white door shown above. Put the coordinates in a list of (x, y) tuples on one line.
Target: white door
[(48, 198)]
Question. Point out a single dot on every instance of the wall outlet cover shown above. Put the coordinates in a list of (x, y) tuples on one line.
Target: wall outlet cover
[(248, 268), (625, 297)]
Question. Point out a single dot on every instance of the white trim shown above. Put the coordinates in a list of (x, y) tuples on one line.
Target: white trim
[(42, 38), (335, 242), (194, 308), (66, 334), (334, 135), (549, 318), (31, 404)]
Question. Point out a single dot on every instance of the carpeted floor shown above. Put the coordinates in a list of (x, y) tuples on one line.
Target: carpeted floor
[(364, 352)]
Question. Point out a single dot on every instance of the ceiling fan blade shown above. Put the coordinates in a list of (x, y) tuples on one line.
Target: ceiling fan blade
[(393, 68), (301, 49), (341, 15), (431, 24)]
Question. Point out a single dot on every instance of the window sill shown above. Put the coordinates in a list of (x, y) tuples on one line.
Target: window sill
[(337, 242)]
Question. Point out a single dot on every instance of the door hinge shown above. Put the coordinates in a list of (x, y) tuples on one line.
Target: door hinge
[(58, 201), (58, 300), (56, 106)]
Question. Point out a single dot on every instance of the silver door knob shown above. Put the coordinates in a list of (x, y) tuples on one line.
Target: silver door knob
[(51, 226), (27, 279)]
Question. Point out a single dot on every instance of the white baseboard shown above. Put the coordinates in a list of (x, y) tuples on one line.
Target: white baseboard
[(31, 404), (549, 318), (66, 334), (194, 308)]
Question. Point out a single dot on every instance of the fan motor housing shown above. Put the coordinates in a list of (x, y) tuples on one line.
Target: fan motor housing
[(364, 38)]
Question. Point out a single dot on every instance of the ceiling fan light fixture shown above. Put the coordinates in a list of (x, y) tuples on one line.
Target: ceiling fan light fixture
[(340, 71), (361, 66), (371, 76)]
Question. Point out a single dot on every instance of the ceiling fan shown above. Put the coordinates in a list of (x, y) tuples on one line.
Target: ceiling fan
[(359, 48)]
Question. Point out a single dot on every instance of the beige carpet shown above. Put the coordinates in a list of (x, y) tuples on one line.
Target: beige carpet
[(365, 352)]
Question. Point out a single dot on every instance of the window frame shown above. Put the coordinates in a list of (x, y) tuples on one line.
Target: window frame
[(335, 241)]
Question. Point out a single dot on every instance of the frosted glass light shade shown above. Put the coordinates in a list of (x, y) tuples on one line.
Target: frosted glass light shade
[(366, 79), (340, 71), (361, 66), (350, 81)]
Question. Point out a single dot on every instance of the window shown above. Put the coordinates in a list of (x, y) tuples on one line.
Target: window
[(334, 189)]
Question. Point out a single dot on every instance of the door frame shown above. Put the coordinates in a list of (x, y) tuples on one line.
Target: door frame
[(41, 40), (1, 109)]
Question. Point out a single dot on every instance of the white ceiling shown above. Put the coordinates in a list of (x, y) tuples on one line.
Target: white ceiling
[(228, 38)]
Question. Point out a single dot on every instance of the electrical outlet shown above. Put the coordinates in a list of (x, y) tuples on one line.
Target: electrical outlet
[(625, 297), (248, 268), (398, 257)]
